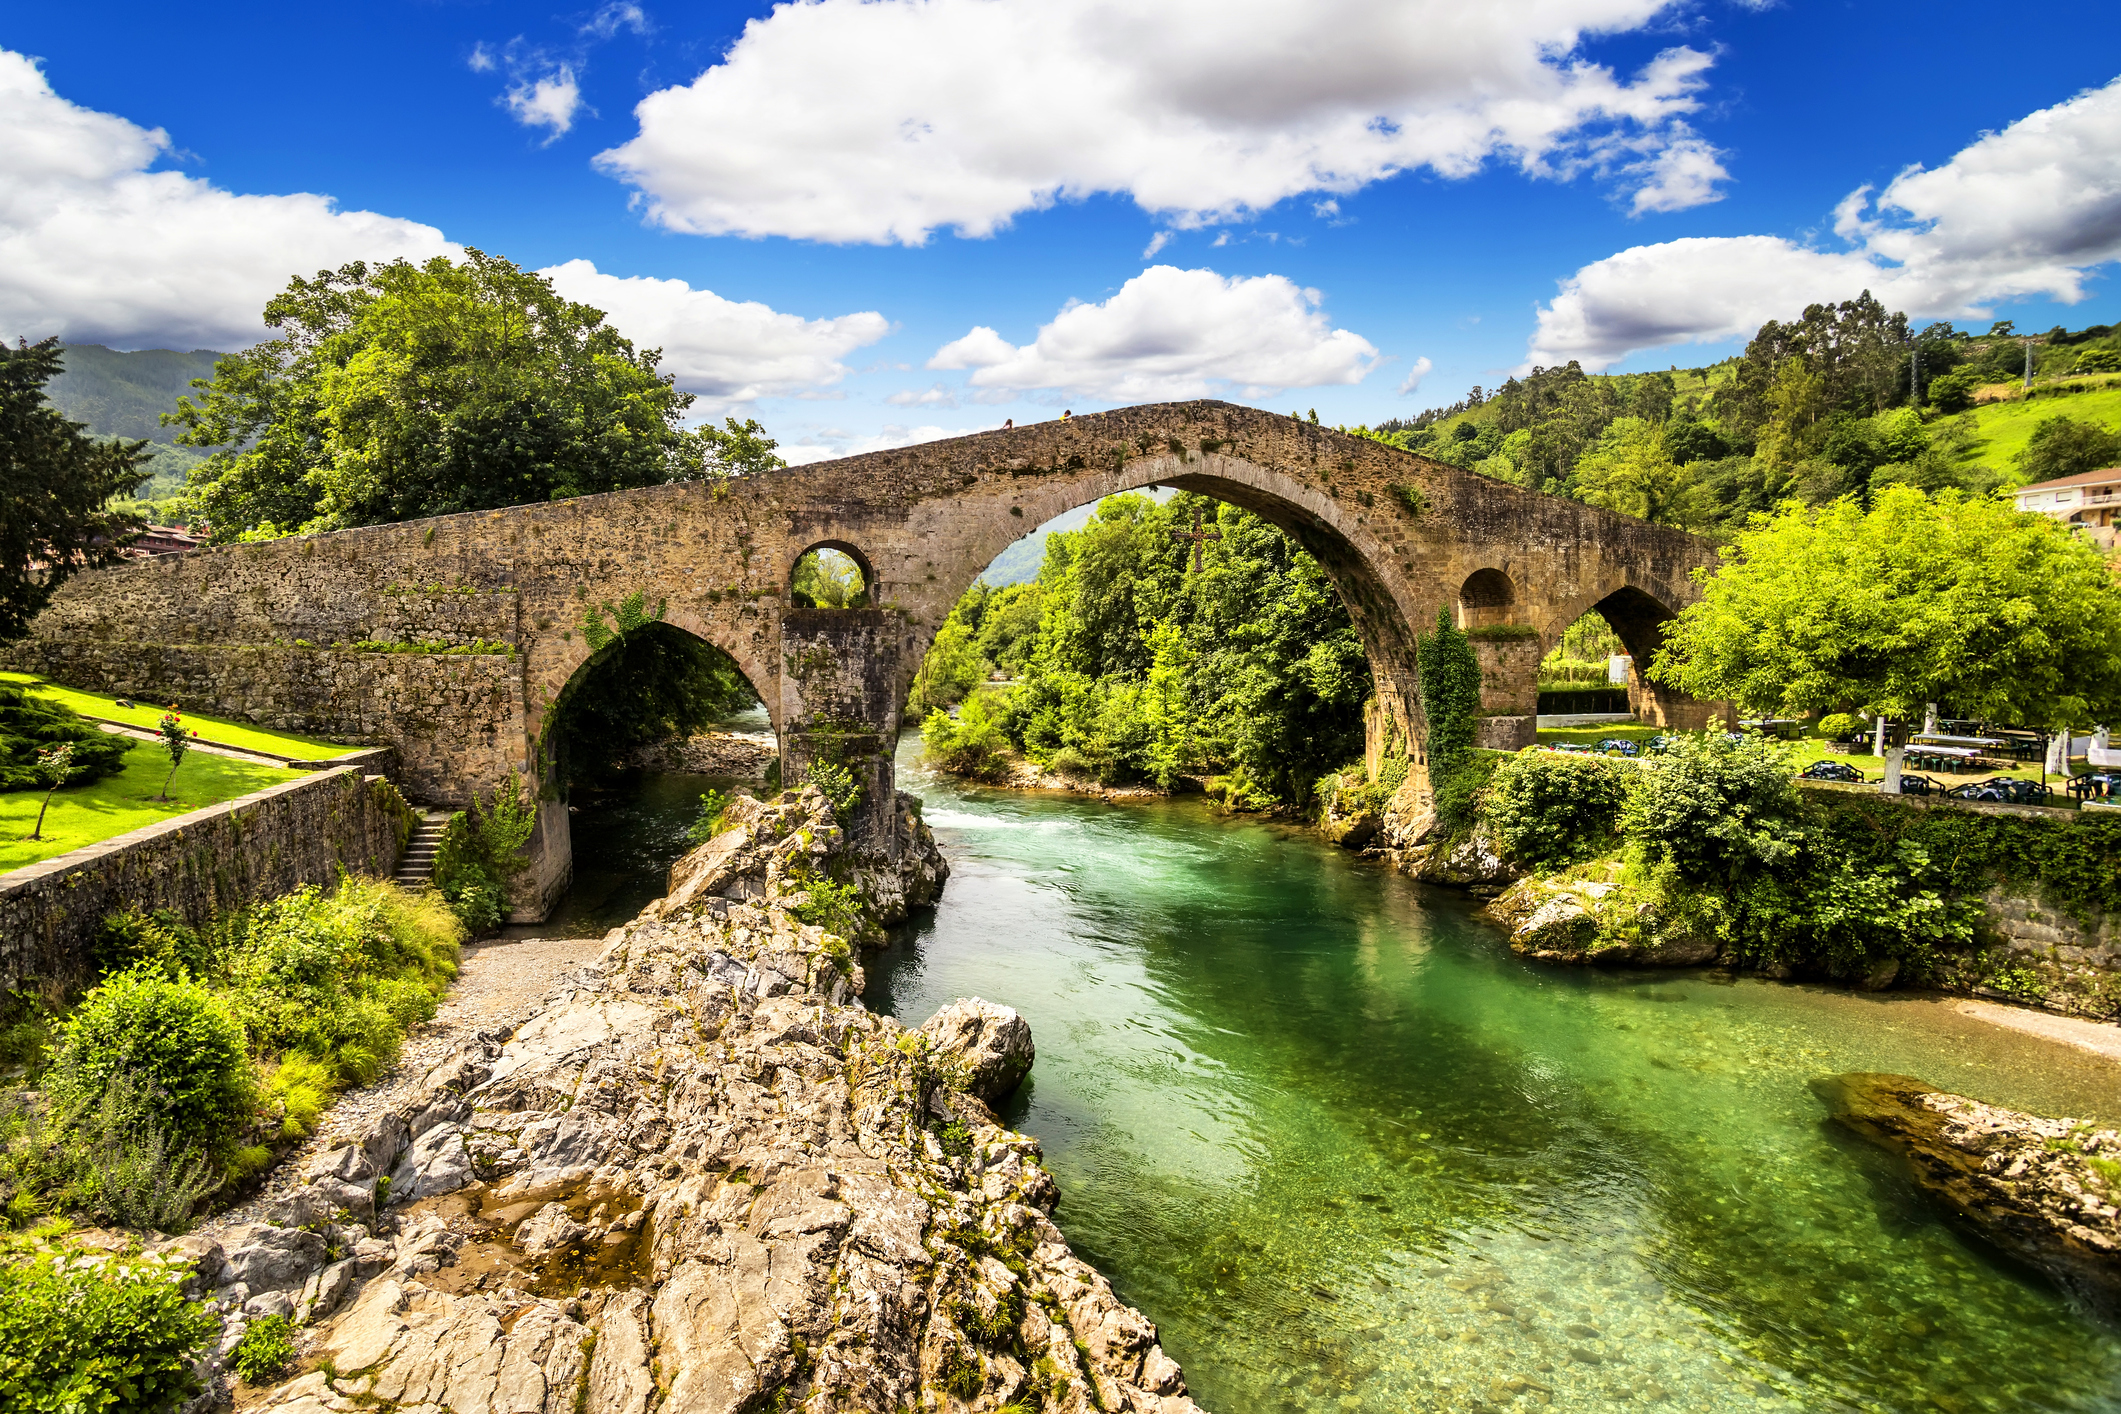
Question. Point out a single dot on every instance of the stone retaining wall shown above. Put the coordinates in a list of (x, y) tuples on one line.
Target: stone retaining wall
[(208, 862)]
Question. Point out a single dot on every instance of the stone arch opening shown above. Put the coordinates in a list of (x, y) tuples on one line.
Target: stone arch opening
[(653, 684), (1487, 600), (1382, 664), (1638, 620), (831, 574)]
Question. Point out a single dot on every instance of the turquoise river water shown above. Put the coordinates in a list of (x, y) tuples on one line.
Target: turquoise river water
[(1350, 1154)]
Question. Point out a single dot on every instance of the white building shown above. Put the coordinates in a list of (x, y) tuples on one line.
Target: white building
[(2091, 500)]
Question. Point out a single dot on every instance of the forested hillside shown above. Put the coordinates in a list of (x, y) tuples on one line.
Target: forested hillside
[(1839, 402), (125, 394)]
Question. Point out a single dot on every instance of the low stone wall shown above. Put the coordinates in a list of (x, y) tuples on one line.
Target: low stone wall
[(201, 864)]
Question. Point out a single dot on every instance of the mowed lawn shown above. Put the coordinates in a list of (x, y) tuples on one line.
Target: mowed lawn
[(1805, 751), (84, 814), (213, 729)]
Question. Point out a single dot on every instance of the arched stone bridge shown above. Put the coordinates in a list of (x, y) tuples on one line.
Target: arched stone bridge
[(484, 610)]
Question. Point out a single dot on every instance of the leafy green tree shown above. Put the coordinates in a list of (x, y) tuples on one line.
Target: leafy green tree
[(56, 483), (2062, 446), (1631, 471), (829, 579), (401, 390), (736, 449), (31, 724), (1951, 600)]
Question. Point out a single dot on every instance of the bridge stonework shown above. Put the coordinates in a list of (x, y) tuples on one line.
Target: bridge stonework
[(452, 639)]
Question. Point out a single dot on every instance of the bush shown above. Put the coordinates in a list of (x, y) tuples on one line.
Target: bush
[(1840, 726), (30, 724), (1548, 809), (707, 821), (174, 1042), (1458, 791), (266, 1349), (480, 851), (1717, 810), (837, 908), (124, 1168), (838, 785), (113, 1338), (973, 745)]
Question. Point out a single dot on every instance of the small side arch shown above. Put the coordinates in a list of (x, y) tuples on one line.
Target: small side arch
[(831, 574), (1487, 599)]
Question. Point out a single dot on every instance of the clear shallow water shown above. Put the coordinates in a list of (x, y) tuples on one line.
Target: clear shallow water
[(1349, 1153)]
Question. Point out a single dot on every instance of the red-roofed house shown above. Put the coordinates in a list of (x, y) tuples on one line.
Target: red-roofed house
[(2091, 499)]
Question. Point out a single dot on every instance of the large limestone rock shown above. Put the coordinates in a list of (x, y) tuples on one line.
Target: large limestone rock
[(701, 1179), (1593, 921), (989, 1044), (2043, 1190)]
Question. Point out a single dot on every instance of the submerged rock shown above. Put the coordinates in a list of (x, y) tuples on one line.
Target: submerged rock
[(1589, 921), (703, 1178), (2042, 1190)]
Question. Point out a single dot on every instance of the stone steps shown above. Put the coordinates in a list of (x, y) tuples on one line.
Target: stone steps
[(417, 865)]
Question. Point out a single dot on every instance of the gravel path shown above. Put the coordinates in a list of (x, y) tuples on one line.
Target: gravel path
[(499, 982)]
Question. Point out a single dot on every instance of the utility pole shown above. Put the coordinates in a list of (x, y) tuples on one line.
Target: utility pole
[(2028, 363)]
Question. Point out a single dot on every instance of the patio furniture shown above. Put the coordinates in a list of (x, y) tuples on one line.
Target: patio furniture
[(1831, 771), (1994, 791), (1620, 745), (2020, 792), (2097, 786), (1658, 745), (1917, 785)]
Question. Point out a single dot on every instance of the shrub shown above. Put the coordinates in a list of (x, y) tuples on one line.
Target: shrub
[(125, 1169), (838, 786), (174, 1041), (1549, 809), (973, 745), (30, 724), (480, 851), (111, 1338), (837, 908), (1840, 726), (266, 1349), (1717, 810), (707, 821), (1457, 792)]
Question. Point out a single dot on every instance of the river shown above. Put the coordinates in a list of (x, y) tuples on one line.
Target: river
[(1349, 1153)]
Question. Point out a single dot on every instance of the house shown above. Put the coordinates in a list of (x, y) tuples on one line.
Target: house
[(2091, 499)]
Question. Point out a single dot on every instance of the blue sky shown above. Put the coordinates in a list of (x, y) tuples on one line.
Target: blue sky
[(1337, 191)]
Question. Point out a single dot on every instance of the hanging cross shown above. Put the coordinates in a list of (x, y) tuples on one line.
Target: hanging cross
[(1197, 535)]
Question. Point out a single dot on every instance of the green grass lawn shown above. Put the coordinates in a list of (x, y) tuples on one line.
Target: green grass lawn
[(213, 729), (1810, 748), (2005, 428), (84, 814)]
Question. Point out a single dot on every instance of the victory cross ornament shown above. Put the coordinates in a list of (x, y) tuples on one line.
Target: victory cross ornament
[(1197, 535)]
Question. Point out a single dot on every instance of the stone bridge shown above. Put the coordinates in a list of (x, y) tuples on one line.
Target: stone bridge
[(453, 639)]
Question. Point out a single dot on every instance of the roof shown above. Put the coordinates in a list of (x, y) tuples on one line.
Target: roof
[(2109, 477)]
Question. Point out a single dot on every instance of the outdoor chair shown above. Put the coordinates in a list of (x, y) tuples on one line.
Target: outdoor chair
[(1978, 790), (2025, 792), (2087, 787), (1917, 785)]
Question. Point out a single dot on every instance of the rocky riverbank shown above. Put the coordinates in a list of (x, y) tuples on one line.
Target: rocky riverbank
[(2042, 1190), (744, 756), (700, 1177)]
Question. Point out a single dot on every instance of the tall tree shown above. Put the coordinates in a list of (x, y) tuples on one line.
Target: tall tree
[(1858, 352), (402, 390), (56, 483), (1962, 602)]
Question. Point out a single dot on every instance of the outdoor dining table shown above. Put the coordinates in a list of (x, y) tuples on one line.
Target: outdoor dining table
[(1955, 741), (1961, 751)]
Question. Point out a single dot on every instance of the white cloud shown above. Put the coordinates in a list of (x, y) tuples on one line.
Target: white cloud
[(822, 446), (1682, 174), (1172, 333), (548, 101), (2025, 211), (725, 350), (883, 120), (616, 16), (482, 60), (1412, 381), (937, 396), (96, 247)]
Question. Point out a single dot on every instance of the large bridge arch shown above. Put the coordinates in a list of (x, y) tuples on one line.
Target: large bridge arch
[(485, 609)]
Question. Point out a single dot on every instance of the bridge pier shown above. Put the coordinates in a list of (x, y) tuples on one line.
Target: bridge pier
[(842, 677)]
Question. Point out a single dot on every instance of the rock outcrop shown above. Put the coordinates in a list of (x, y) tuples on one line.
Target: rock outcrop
[(1469, 862), (702, 1179), (2042, 1190), (744, 756)]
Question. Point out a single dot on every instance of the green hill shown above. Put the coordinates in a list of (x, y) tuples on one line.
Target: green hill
[(125, 394)]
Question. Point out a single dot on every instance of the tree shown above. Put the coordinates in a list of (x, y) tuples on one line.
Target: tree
[(55, 486), (736, 449), (1859, 353), (2062, 446), (403, 390), (1969, 603), (1631, 472), (55, 764), (176, 739)]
